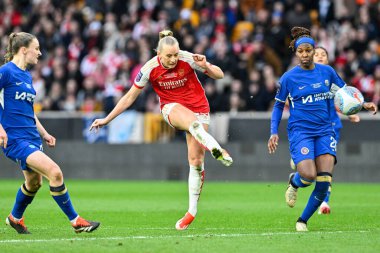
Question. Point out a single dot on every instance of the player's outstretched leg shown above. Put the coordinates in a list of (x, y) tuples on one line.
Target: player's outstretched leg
[(17, 224), (206, 140), (196, 180), (61, 196), (316, 197)]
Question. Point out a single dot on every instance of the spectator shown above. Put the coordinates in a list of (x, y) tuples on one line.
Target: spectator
[(109, 39)]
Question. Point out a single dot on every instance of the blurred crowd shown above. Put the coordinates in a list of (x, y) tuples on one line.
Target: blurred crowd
[(93, 49)]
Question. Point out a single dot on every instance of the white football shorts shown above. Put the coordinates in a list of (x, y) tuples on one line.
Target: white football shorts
[(204, 118)]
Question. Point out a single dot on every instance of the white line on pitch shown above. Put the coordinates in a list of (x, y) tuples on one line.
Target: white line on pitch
[(174, 236), (157, 228)]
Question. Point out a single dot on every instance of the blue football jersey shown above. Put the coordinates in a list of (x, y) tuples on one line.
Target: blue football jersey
[(310, 94), (16, 103)]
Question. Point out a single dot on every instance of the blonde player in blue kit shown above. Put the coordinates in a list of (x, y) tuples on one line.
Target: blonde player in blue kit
[(310, 88), (21, 132)]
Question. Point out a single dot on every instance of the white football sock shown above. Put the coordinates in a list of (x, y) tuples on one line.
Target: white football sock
[(73, 221), (196, 179), (16, 219), (205, 139)]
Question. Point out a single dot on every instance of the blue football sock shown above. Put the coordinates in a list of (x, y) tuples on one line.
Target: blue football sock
[(317, 196), (23, 198), (298, 181), (62, 197), (328, 195)]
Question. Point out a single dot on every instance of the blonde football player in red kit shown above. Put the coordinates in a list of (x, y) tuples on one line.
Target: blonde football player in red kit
[(184, 106)]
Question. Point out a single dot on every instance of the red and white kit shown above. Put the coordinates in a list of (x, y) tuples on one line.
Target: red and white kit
[(177, 85)]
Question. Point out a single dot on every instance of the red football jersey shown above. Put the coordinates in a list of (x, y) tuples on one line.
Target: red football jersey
[(178, 85)]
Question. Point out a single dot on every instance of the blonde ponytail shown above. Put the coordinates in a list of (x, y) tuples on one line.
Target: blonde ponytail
[(165, 33), (166, 38)]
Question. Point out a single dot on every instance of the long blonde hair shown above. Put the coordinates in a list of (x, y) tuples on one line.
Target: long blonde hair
[(166, 38), (15, 42)]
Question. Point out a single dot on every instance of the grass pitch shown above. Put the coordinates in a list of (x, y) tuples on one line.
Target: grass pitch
[(232, 217)]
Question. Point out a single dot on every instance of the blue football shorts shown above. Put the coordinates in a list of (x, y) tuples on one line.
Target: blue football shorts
[(309, 147), (337, 134), (21, 149)]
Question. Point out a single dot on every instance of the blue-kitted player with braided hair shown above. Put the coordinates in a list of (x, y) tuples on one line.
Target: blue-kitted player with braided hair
[(321, 56), (21, 132), (310, 89)]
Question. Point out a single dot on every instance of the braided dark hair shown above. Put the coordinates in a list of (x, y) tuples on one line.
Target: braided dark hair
[(298, 32)]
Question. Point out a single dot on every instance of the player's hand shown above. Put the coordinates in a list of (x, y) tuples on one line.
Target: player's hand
[(354, 118), (50, 140), (370, 106), (3, 138), (273, 143), (200, 60), (97, 124)]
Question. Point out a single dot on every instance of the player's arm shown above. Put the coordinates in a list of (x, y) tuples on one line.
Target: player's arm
[(281, 97), (278, 108), (3, 137), (4, 77), (124, 103), (49, 139), (211, 70)]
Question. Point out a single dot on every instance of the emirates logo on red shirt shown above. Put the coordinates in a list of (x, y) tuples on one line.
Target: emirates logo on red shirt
[(173, 84)]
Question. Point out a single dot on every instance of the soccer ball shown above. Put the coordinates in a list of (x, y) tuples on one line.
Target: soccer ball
[(348, 100)]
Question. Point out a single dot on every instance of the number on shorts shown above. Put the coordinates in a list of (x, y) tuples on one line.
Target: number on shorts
[(333, 144)]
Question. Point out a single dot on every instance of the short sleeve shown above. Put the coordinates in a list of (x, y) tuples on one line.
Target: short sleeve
[(282, 90), (142, 78), (188, 57), (4, 77)]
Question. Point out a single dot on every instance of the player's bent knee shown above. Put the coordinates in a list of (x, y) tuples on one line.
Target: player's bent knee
[(308, 175), (55, 174)]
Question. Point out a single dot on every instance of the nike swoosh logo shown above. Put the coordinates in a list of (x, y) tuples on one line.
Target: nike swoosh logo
[(18, 83), (65, 202), (301, 87)]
